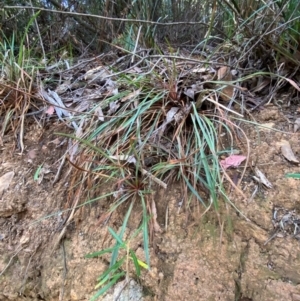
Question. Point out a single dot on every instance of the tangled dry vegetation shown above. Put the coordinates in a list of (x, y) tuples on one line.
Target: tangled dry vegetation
[(140, 117)]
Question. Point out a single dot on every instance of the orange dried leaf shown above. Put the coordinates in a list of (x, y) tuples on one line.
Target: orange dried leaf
[(224, 74)]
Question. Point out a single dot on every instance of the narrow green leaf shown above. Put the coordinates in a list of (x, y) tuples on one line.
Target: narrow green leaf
[(293, 175), (145, 230), (111, 270), (136, 263), (104, 289), (116, 236), (99, 253), (37, 173), (114, 255)]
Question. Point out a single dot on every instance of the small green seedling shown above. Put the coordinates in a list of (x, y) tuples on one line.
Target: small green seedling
[(37, 173), (116, 270)]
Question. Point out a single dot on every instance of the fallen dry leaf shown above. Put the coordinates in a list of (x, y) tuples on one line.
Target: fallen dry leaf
[(56, 141), (44, 171), (5, 180), (232, 161), (266, 127), (296, 125), (82, 106), (103, 219), (131, 95), (50, 110), (134, 70), (32, 154), (99, 73), (99, 113), (293, 84), (201, 69), (190, 92), (127, 158), (224, 74), (261, 178), (287, 152), (113, 107)]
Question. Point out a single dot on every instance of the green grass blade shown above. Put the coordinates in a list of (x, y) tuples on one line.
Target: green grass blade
[(293, 175), (104, 289), (99, 253), (145, 231), (114, 255), (110, 271), (116, 236), (136, 263)]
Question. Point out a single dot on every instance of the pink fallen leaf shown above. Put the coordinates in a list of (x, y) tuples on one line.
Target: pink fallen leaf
[(232, 161), (32, 154), (50, 110), (56, 141)]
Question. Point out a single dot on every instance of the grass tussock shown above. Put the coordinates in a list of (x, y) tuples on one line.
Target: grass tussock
[(18, 86), (150, 131)]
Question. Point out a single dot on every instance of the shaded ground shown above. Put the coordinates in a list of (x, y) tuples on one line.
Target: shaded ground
[(212, 258)]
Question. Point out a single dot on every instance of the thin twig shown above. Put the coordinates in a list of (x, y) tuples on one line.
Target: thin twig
[(10, 260), (39, 33), (74, 206), (25, 275), (153, 178), (105, 18), (59, 169), (62, 291), (136, 44)]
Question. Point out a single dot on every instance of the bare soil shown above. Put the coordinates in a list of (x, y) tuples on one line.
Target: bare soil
[(217, 257)]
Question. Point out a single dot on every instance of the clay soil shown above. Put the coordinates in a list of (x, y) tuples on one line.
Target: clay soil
[(221, 256)]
